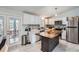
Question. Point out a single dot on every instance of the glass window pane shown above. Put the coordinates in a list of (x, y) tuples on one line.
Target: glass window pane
[(14, 30), (1, 26)]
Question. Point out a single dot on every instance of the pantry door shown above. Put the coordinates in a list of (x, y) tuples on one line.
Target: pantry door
[(13, 27)]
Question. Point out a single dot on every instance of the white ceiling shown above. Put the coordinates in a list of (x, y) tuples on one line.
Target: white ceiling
[(41, 10)]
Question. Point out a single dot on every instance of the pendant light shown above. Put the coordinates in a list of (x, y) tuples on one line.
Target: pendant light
[(56, 12)]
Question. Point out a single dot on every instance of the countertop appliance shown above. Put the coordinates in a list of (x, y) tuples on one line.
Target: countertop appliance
[(73, 30)]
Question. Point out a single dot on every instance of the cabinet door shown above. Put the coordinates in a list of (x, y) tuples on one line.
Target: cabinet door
[(64, 34)]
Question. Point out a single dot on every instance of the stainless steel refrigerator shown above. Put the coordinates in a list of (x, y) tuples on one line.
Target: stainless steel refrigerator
[(72, 29)]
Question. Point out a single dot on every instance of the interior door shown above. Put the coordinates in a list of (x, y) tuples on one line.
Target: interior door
[(13, 30)]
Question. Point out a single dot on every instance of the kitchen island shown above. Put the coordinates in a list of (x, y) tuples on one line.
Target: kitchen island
[(49, 40)]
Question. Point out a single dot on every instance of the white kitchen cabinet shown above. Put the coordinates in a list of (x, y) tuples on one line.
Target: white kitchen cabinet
[(26, 19), (31, 19), (64, 34)]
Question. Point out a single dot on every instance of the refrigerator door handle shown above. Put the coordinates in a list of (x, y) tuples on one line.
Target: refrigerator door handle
[(72, 27)]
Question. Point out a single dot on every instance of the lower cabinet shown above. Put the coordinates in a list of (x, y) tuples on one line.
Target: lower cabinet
[(47, 44)]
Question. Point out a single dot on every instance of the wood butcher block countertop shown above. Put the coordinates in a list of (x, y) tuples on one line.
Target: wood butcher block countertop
[(52, 34)]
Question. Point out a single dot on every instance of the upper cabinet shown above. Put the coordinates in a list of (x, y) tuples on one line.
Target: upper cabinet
[(31, 19)]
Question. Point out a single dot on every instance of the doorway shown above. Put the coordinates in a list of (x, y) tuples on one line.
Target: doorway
[(13, 30), (1, 27)]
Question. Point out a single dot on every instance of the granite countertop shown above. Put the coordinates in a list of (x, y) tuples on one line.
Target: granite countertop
[(53, 34)]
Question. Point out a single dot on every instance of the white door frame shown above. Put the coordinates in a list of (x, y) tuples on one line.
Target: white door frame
[(8, 18)]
